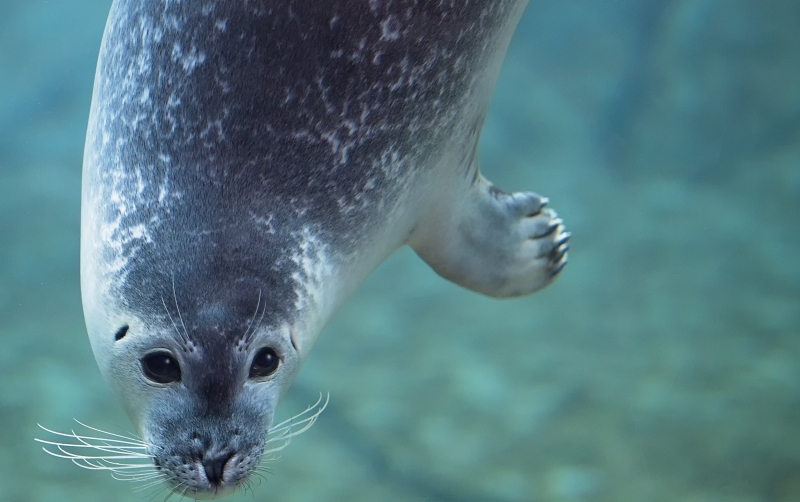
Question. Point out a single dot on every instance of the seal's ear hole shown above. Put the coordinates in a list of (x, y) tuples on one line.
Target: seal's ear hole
[(121, 332), (161, 367), (265, 363)]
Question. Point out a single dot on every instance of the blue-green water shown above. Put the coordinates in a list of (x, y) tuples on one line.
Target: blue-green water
[(664, 365)]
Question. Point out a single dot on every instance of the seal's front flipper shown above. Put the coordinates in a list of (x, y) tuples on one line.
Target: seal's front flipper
[(493, 242)]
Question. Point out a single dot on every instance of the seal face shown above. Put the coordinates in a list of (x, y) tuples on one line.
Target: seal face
[(247, 165)]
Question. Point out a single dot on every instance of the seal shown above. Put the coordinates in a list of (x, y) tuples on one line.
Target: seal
[(247, 165)]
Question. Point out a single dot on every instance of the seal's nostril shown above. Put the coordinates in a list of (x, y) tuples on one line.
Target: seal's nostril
[(214, 466)]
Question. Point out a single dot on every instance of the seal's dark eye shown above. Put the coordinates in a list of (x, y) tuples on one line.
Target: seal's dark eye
[(265, 363), (161, 367)]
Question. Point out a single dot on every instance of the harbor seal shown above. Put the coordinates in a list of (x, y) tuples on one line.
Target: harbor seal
[(247, 165)]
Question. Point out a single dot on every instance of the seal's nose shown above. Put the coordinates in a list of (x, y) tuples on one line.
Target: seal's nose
[(214, 466)]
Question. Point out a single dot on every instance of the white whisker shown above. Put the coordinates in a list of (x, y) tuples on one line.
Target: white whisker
[(124, 476), (283, 433), (147, 486), (154, 493), (260, 319), (272, 455), (183, 493), (180, 334), (175, 296), (102, 447), (131, 438), (73, 435), (71, 456), (122, 456), (145, 482), (101, 465), (246, 335), (117, 453), (289, 420), (280, 432)]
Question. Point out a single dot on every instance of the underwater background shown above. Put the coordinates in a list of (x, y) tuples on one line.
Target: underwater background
[(663, 365)]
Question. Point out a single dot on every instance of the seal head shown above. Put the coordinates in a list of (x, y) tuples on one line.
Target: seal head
[(201, 386)]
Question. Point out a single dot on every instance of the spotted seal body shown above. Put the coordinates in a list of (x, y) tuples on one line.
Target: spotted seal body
[(247, 165)]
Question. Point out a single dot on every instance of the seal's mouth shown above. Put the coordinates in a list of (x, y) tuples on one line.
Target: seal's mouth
[(129, 458), (206, 495)]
